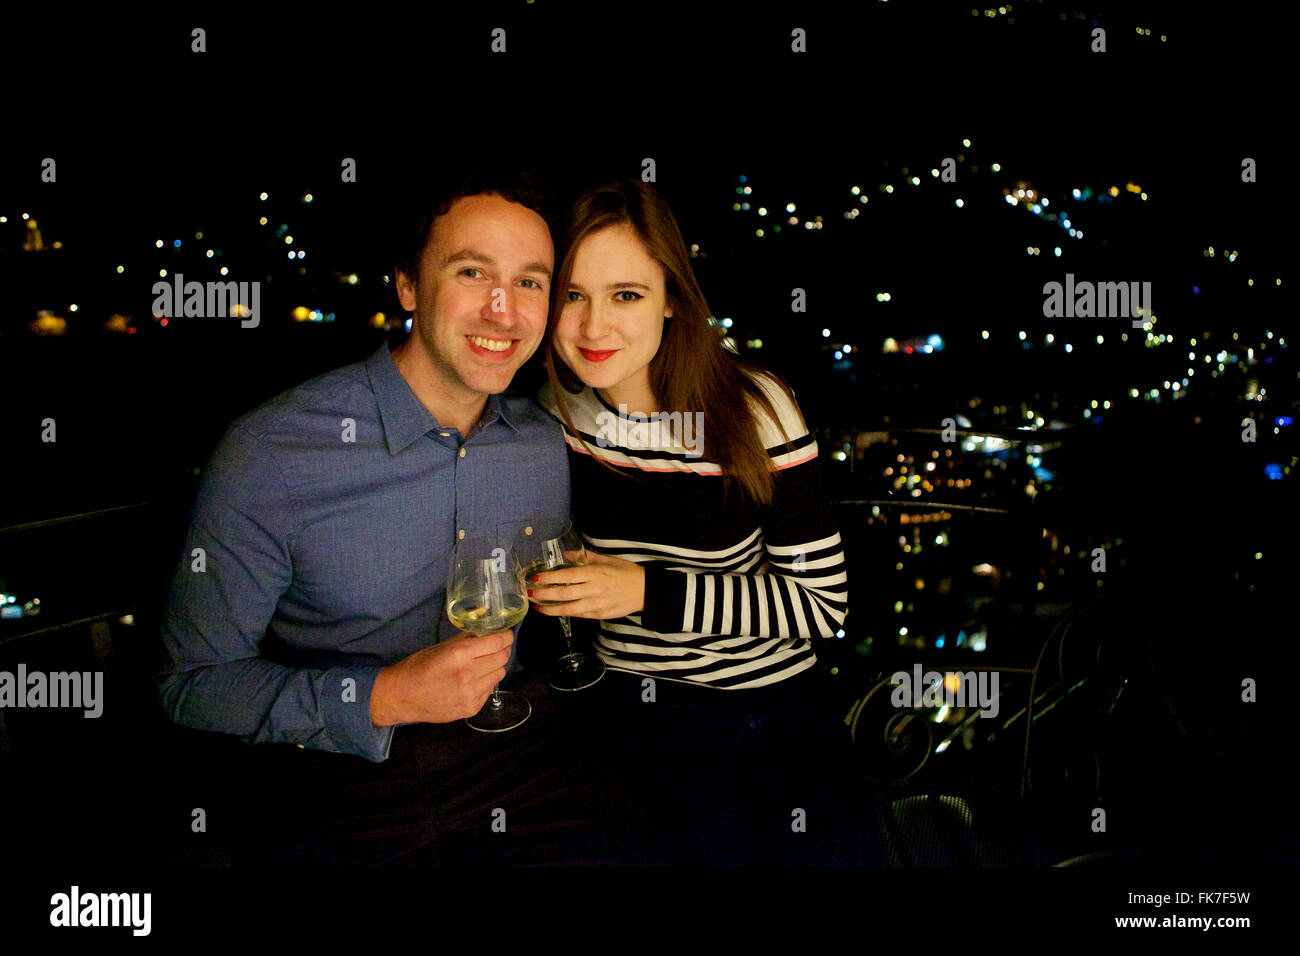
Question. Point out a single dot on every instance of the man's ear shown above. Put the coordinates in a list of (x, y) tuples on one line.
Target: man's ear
[(405, 290)]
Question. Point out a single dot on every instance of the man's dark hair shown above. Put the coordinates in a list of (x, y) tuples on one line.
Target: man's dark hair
[(417, 210)]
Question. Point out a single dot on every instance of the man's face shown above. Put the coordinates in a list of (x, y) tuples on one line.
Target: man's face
[(481, 301)]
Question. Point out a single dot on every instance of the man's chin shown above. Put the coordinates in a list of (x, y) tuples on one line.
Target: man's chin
[(493, 383)]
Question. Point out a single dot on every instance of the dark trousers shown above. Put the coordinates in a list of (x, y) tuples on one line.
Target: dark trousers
[(447, 795), (704, 776)]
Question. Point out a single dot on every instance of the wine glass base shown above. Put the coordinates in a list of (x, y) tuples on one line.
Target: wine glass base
[(575, 672), (512, 712)]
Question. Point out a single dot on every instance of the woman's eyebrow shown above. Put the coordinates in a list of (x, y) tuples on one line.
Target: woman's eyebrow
[(615, 285)]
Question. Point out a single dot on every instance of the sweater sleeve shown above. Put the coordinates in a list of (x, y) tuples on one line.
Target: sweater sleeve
[(800, 587)]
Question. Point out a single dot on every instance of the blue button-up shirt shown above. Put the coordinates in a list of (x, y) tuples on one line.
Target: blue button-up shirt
[(319, 546)]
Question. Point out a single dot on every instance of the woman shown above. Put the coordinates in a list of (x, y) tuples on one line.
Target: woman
[(714, 563)]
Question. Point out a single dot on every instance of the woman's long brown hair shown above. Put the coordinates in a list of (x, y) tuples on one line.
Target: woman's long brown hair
[(692, 371)]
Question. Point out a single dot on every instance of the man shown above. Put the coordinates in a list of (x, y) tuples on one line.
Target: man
[(308, 608)]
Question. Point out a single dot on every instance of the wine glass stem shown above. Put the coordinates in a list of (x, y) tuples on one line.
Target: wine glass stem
[(496, 698), (568, 634)]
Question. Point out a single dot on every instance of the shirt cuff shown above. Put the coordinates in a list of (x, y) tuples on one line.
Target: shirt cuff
[(665, 601), (345, 710)]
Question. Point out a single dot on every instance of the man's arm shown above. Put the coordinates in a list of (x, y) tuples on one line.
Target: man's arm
[(235, 566)]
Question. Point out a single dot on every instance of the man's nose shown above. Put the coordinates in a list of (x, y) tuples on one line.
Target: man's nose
[(500, 305)]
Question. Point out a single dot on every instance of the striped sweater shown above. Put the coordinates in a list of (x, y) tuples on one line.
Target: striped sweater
[(734, 594)]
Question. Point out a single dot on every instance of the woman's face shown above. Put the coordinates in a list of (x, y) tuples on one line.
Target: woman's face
[(612, 315)]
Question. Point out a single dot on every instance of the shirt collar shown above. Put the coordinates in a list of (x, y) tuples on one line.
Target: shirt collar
[(402, 414), (497, 408)]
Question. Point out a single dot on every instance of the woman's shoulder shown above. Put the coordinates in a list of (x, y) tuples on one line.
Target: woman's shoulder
[(790, 425), (581, 406)]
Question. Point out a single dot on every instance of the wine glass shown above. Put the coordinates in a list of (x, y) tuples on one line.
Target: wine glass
[(485, 594), (575, 670)]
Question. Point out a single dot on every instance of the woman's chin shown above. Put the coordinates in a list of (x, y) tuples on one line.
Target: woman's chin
[(591, 374)]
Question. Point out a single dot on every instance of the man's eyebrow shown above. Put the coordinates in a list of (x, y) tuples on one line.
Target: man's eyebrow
[(473, 255), (614, 285)]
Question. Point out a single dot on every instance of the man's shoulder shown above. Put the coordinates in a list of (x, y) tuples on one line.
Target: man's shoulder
[(527, 414), (329, 393)]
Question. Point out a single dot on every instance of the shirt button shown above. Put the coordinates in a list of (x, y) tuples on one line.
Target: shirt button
[(444, 434), (461, 534), (528, 530), (462, 453)]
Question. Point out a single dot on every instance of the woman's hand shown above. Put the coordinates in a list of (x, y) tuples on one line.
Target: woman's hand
[(603, 588)]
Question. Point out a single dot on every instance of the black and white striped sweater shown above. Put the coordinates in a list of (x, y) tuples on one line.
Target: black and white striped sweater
[(734, 596)]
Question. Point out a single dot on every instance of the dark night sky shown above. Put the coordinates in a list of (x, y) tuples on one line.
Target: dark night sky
[(153, 140)]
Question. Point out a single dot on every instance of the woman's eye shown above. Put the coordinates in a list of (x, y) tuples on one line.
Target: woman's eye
[(573, 296), (634, 295)]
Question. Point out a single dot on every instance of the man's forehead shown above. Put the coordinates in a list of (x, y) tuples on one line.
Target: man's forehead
[(491, 226)]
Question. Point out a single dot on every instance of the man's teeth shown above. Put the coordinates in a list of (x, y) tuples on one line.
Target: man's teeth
[(492, 345)]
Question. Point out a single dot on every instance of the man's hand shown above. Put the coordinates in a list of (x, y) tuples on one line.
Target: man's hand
[(442, 683)]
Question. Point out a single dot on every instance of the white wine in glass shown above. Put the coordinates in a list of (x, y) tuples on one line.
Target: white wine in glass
[(485, 594), (470, 615)]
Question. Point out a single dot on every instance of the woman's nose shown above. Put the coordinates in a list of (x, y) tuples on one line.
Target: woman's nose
[(594, 323)]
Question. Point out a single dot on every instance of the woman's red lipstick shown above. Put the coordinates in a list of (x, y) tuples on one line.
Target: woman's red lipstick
[(596, 355)]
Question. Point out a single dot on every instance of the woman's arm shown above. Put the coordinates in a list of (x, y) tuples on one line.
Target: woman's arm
[(803, 592)]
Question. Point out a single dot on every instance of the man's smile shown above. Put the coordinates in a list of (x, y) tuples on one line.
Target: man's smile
[(493, 348)]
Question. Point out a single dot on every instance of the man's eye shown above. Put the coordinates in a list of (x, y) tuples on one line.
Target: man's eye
[(469, 269), (634, 295), (536, 284)]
